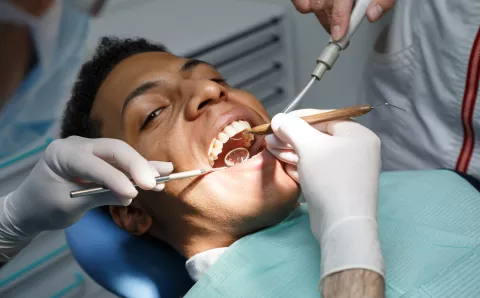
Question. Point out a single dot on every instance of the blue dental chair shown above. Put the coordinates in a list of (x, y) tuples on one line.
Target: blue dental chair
[(125, 265)]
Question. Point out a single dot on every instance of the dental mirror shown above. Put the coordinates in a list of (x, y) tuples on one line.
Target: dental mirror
[(236, 156)]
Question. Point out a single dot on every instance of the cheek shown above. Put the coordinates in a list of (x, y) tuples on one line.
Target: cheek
[(162, 207), (250, 101), (281, 187), (175, 146), (269, 194), (177, 188), (192, 192), (156, 146)]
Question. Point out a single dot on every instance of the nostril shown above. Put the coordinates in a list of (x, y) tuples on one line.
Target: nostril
[(204, 103)]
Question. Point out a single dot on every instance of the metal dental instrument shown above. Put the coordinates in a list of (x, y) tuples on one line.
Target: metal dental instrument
[(236, 156), (344, 113), (171, 177), (331, 53)]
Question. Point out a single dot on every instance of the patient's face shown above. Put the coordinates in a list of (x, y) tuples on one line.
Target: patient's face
[(173, 109)]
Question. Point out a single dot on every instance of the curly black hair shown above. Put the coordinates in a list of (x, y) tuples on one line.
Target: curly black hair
[(109, 53)]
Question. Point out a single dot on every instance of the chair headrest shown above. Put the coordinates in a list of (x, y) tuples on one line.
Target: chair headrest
[(126, 265)]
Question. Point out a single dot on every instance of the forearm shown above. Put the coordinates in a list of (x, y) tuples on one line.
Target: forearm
[(352, 261), (356, 283)]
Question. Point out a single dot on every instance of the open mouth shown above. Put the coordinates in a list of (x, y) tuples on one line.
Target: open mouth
[(225, 149)]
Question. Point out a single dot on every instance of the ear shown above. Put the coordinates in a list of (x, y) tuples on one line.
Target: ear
[(132, 218)]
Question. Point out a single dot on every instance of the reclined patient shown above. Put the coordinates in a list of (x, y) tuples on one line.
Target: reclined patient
[(242, 229)]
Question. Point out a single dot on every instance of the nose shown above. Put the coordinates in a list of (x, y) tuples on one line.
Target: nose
[(206, 93)]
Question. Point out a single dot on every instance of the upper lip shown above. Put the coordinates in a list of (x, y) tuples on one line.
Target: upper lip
[(233, 115)]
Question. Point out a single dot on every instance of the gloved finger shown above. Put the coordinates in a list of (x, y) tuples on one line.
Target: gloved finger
[(109, 199), (159, 187), (163, 168), (292, 172), (307, 112), (378, 8), (281, 150), (96, 170), (273, 142), (127, 159), (347, 129), (295, 131), (341, 12), (287, 156)]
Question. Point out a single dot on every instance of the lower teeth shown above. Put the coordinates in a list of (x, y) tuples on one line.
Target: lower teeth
[(236, 156)]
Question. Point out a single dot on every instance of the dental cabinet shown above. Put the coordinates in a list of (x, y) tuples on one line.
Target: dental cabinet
[(251, 45)]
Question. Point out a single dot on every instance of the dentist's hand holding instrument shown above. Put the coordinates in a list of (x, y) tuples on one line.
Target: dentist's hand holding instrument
[(341, 11), (42, 202), (337, 164), (334, 14)]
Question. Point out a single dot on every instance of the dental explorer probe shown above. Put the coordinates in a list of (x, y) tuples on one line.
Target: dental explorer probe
[(330, 54), (171, 177), (344, 113)]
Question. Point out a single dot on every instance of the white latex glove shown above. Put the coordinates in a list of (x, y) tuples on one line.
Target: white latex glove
[(43, 202), (334, 15), (338, 167)]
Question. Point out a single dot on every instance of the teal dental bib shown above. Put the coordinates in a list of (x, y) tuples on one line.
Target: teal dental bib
[(429, 225)]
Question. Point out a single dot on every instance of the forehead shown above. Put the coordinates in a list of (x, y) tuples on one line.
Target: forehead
[(145, 67), (134, 70), (131, 73)]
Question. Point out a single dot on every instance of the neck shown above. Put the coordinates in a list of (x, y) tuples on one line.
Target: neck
[(190, 235), (203, 244), (193, 241)]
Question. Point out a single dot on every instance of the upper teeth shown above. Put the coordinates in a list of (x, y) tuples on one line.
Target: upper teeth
[(223, 137)]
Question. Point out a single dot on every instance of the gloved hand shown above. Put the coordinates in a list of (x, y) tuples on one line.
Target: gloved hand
[(43, 201), (334, 15), (338, 167)]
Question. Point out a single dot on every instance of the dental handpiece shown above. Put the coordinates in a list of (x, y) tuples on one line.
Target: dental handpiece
[(345, 113), (171, 177), (330, 54)]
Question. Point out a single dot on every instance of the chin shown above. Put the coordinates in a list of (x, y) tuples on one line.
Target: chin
[(257, 188)]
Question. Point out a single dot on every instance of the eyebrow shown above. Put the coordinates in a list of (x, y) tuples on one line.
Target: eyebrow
[(142, 89), (191, 64), (145, 87)]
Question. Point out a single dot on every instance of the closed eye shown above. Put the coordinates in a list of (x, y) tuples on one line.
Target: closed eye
[(150, 117)]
